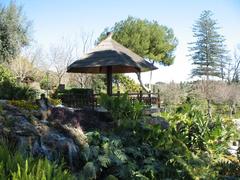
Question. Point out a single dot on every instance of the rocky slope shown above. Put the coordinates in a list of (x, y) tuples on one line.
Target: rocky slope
[(61, 136)]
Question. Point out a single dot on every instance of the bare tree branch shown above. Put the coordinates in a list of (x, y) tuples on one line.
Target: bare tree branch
[(61, 56)]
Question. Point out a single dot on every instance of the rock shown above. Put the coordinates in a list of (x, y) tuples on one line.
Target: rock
[(36, 113), (61, 137), (10, 109), (75, 132), (25, 143), (90, 120), (42, 128), (151, 110), (53, 145), (23, 127), (2, 119), (87, 118), (160, 121), (61, 145), (234, 146), (2, 101), (237, 123)]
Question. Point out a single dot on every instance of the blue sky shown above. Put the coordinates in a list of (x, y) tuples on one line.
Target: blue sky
[(55, 19)]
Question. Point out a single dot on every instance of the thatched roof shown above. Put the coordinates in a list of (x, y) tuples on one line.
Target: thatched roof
[(110, 53)]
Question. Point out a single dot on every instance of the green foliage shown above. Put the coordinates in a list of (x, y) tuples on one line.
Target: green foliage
[(48, 83), (125, 83), (98, 83), (89, 171), (22, 92), (191, 148), (55, 102), (228, 166), (13, 32), (102, 154), (10, 89), (6, 75), (18, 92), (7, 83), (111, 177), (41, 169), (193, 127), (15, 166), (146, 153), (146, 38), (23, 104), (124, 111)]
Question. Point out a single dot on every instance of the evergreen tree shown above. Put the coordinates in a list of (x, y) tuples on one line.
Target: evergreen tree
[(13, 32), (208, 52), (149, 39)]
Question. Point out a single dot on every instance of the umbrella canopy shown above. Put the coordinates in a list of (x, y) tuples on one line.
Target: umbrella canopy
[(110, 57)]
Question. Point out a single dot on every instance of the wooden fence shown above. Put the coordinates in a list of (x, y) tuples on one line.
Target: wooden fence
[(89, 99), (148, 98)]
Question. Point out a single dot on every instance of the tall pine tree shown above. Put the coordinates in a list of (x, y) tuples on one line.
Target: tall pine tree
[(208, 51)]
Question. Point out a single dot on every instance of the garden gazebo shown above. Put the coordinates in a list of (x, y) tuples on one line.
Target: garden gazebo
[(110, 57)]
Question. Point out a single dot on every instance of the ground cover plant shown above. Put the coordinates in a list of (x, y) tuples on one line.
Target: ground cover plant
[(193, 147), (14, 165)]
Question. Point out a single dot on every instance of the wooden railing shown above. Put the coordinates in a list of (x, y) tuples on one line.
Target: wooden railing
[(78, 100), (148, 98)]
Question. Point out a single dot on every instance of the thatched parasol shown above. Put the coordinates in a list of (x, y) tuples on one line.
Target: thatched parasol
[(110, 57)]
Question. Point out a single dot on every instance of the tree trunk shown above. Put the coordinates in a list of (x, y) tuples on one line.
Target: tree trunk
[(230, 111), (233, 108), (150, 82), (209, 111), (141, 83), (59, 80)]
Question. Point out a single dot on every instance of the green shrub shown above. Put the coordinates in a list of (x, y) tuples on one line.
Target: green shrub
[(10, 89), (124, 111), (23, 104), (15, 166), (55, 102), (7, 82), (189, 149), (145, 153), (228, 166), (6, 75), (48, 83), (23, 92)]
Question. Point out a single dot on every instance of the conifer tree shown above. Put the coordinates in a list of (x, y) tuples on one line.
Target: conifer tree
[(208, 52)]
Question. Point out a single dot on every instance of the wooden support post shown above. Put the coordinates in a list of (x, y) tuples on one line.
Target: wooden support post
[(150, 98), (109, 80), (141, 96), (159, 100), (118, 93), (92, 99), (95, 100)]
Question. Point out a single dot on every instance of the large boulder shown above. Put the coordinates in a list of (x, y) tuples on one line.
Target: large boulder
[(54, 140), (87, 118), (61, 136), (159, 121)]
